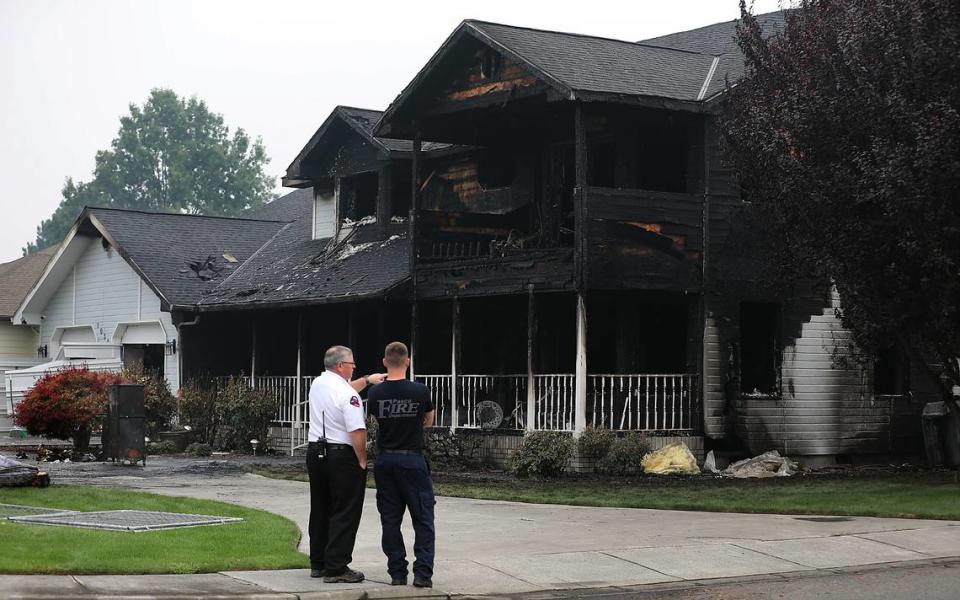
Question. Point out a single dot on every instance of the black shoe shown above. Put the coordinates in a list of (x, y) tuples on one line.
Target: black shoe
[(348, 576), (424, 582), (398, 581), (317, 573)]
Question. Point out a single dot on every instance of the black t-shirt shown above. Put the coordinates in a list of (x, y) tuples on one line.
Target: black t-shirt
[(399, 407)]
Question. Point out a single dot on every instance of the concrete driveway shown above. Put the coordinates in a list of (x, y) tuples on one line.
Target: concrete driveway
[(487, 547)]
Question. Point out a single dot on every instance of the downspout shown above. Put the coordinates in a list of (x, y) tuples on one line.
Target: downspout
[(195, 321)]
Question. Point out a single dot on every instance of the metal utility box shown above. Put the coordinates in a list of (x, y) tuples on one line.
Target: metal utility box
[(126, 431)]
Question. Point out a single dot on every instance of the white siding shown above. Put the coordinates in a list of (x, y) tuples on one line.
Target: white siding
[(103, 291), (826, 406), (324, 215), (18, 341)]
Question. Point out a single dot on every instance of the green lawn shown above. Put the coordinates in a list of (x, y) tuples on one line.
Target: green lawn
[(927, 495), (261, 541)]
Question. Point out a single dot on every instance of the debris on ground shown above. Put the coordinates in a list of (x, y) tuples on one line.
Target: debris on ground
[(672, 459), (710, 464), (13, 473), (768, 464)]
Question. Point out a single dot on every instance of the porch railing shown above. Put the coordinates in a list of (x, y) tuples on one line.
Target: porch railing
[(509, 392), (660, 402), (441, 394), (555, 401)]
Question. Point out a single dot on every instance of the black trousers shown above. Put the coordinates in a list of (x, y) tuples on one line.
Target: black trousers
[(337, 485), (403, 484)]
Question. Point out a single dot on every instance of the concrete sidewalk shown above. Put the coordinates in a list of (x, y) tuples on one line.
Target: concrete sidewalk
[(506, 548)]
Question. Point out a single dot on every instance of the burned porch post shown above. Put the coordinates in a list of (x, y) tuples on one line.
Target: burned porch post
[(454, 363), (414, 205), (531, 379), (580, 150)]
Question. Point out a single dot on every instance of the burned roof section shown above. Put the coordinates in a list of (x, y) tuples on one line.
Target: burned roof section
[(294, 270), (180, 255), (332, 151)]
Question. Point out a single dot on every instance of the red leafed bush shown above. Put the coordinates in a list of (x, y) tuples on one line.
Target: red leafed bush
[(64, 402)]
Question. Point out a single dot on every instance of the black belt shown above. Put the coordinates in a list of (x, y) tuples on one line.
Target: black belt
[(401, 451), (333, 446)]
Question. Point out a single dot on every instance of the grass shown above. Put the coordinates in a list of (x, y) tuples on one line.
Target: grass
[(921, 495), (262, 541)]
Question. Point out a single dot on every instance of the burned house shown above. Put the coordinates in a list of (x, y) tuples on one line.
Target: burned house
[(547, 218)]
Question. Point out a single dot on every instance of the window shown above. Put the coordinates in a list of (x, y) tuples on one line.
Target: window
[(662, 156), (489, 64), (601, 164), (759, 347), (495, 170), (358, 196), (891, 372)]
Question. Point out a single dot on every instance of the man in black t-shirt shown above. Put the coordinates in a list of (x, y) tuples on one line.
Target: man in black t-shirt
[(403, 409)]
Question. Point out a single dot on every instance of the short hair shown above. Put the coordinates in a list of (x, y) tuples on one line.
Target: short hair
[(335, 355), (396, 354)]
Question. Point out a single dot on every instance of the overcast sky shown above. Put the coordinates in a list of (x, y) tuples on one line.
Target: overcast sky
[(69, 69)]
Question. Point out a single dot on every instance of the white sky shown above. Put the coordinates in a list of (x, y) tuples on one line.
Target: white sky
[(69, 69)]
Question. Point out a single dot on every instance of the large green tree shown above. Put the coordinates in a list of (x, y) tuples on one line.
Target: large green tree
[(845, 132), (171, 154)]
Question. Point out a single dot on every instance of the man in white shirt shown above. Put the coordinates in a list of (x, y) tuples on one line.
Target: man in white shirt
[(337, 464)]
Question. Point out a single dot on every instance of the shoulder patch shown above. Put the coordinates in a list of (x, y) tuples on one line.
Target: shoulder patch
[(355, 401)]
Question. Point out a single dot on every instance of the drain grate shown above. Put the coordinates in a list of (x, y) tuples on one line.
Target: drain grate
[(125, 520), (19, 510)]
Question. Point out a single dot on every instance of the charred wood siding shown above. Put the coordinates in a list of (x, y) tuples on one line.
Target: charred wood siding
[(642, 239), (455, 186), (544, 270), (470, 82), (353, 155)]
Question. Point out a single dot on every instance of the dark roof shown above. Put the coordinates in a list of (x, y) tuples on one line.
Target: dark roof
[(686, 68), (181, 256), (594, 64), (17, 277), (363, 121), (718, 38), (290, 207), (294, 270)]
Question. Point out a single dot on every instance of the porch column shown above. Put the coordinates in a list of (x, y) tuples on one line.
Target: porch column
[(295, 419), (413, 336), (580, 397), (531, 424), (454, 364), (253, 352)]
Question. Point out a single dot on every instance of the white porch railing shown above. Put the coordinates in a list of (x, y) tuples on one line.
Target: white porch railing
[(441, 394), (508, 391), (655, 402), (555, 401)]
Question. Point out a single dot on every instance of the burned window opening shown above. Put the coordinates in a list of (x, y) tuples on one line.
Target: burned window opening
[(496, 170), (601, 164), (662, 156), (759, 347), (891, 372), (400, 191), (490, 62), (358, 196)]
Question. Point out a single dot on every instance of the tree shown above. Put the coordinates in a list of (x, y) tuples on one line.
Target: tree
[(172, 154), (845, 133)]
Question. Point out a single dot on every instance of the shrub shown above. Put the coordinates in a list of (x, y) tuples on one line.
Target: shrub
[(624, 454), (66, 402), (243, 414), (164, 447), (373, 429), (451, 450), (227, 417), (159, 403), (198, 408), (543, 453), (199, 449), (594, 443)]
